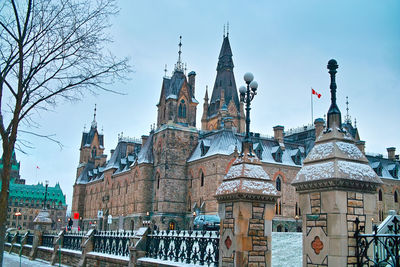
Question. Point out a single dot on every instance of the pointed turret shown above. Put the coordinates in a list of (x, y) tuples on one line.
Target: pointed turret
[(177, 102), (224, 91), (205, 109)]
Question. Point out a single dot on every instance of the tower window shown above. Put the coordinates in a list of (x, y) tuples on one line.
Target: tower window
[(202, 179), (182, 109), (396, 198), (278, 184), (380, 195)]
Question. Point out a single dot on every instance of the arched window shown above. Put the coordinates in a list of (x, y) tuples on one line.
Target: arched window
[(396, 199), (298, 229), (279, 228), (201, 179), (380, 195), (182, 109), (158, 181), (93, 152), (171, 225), (278, 184)]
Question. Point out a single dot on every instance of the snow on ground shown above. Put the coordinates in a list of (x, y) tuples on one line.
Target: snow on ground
[(287, 249), (13, 260)]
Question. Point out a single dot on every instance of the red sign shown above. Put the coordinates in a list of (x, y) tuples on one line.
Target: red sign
[(76, 216)]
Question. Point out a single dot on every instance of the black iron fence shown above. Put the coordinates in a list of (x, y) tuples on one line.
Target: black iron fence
[(73, 241), (9, 237), (48, 240), (18, 238), (29, 239), (378, 249), (113, 242), (191, 247)]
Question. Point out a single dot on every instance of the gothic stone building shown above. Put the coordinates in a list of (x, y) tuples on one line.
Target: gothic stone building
[(25, 201), (171, 175)]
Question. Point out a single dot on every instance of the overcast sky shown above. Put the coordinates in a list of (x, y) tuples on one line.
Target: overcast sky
[(286, 46)]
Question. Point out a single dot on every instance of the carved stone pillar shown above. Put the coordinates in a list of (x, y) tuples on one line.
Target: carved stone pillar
[(246, 204)]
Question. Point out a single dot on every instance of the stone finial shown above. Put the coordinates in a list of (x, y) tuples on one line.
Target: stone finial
[(334, 115)]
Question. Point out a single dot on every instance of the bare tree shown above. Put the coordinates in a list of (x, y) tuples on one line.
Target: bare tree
[(49, 50)]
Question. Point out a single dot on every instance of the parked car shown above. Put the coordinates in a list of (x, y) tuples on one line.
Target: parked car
[(206, 222)]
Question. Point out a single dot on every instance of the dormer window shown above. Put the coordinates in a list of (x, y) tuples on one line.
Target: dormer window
[(277, 153), (204, 148), (377, 166), (296, 156), (182, 109), (393, 170), (258, 150)]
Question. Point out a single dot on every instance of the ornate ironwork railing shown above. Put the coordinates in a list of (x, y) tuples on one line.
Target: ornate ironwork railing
[(18, 238), (191, 247), (378, 249), (48, 240), (73, 241), (9, 237), (113, 242), (29, 239)]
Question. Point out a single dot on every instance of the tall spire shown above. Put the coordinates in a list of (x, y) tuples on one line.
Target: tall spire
[(94, 123), (334, 115), (179, 64), (225, 80)]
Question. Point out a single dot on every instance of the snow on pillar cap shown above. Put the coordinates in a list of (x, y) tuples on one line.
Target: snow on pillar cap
[(246, 179)]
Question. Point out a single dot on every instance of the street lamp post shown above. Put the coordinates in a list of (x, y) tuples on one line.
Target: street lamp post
[(17, 214), (45, 195), (246, 95)]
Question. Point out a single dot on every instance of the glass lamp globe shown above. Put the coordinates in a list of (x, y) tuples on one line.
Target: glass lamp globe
[(242, 90), (248, 77), (254, 85)]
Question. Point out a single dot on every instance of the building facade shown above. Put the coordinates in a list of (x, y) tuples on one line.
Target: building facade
[(25, 201), (171, 175)]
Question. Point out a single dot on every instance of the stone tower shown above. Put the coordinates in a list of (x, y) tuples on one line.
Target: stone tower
[(336, 185), (177, 100), (224, 109), (90, 156), (173, 141)]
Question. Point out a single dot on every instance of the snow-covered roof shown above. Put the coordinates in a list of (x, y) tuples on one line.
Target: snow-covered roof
[(223, 142), (146, 153)]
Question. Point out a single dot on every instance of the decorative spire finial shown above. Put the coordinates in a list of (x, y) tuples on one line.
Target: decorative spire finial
[(334, 115), (347, 119), (179, 65), (227, 29), (355, 123), (165, 70), (224, 32), (94, 123)]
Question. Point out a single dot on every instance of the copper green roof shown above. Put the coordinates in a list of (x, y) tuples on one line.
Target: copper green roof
[(36, 192)]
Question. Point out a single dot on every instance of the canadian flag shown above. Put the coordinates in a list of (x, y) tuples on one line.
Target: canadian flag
[(315, 93)]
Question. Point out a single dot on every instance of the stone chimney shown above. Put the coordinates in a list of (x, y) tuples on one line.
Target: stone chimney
[(319, 127), (144, 139), (192, 81), (112, 152), (278, 133), (361, 146), (391, 153)]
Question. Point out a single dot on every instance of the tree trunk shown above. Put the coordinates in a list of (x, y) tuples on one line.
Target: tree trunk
[(5, 178)]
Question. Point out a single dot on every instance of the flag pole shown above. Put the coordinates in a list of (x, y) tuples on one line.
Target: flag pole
[(312, 115)]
